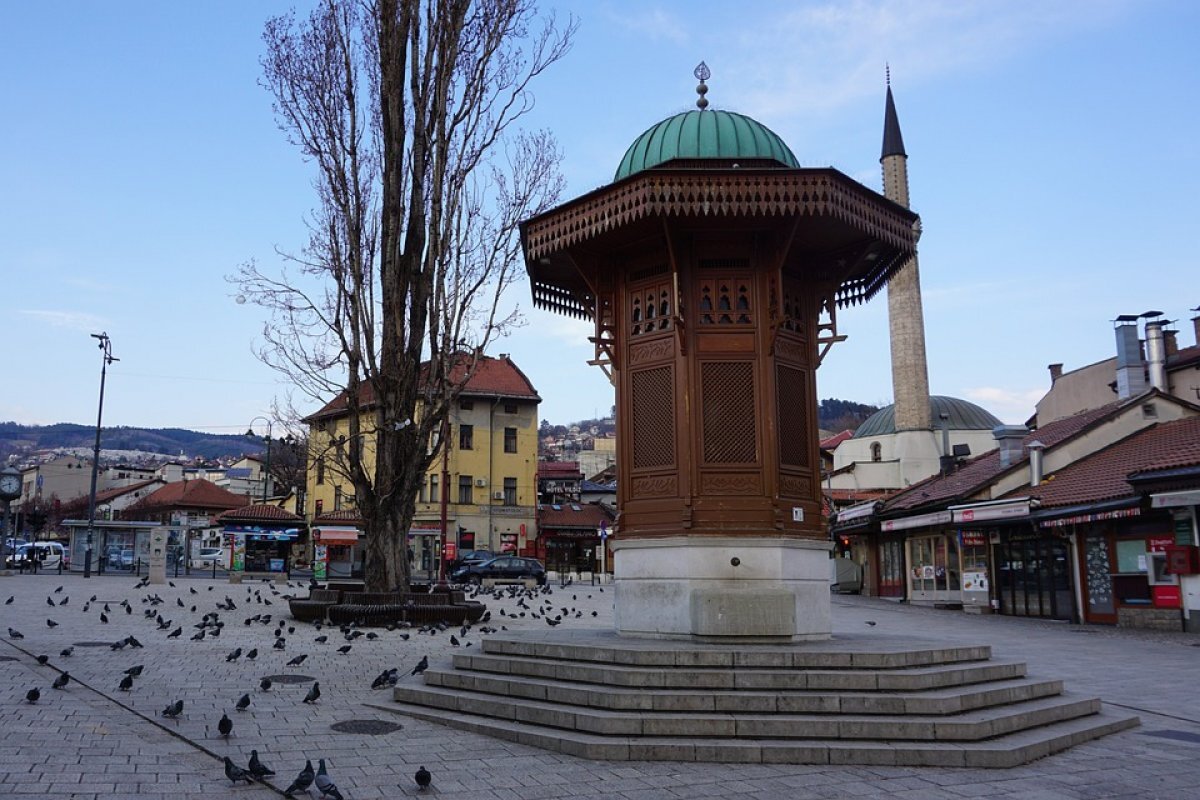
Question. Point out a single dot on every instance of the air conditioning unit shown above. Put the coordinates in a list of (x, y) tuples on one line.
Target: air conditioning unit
[(497, 495), (481, 482)]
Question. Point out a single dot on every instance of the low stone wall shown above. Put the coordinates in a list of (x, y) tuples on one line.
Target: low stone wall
[(1157, 619)]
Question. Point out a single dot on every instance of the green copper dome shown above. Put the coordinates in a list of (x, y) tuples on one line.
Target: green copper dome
[(704, 134)]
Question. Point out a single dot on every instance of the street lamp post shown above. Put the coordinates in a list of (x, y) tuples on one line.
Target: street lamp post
[(267, 474), (107, 358), (10, 489)]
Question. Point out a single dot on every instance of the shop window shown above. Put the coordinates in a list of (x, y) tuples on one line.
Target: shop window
[(510, 440), (466, 437), (510, 491), (876, 451), (466, 489)]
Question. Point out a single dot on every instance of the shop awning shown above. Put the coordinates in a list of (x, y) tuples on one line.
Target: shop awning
[(918, 521), (860, 511), (334, 535), (994, 510), (1175, 499)]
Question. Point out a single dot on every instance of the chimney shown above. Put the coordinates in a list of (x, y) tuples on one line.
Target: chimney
[(1035, 462), (1131, 370), (1055, 373), (1196, 326), (1172, 340), (1157, 351), (1008, 438)]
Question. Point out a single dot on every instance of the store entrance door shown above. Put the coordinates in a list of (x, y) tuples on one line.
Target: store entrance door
[(1035, 578)]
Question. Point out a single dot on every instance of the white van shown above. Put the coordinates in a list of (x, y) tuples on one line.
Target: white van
[(49, 555)]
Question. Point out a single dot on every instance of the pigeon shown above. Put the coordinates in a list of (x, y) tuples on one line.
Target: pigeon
[(325, 784), (67, 651), (871, 622), (421, 666), (253, 654), (136, 671), (280, 643), (314, 693), (257, 768), (13, 633), (10, 599), (344, 649), (423, 778), (302, 782), (454, 640), (264, 685), (32, 695), (234, 656), (297, 661), (225, 726), (42, 660), (64, 601), (236, 773), (50, 602), (133, 642), (103, 617), (321, 639), (174, 710), (243, 702), (126, 683), (61, 681), (175, 634)]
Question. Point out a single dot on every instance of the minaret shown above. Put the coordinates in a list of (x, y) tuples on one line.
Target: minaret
[(910, 376)]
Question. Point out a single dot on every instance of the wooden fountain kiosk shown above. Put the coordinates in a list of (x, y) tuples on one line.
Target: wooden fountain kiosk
[(713, 267)]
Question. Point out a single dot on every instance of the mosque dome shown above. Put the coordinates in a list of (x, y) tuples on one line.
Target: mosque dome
[(961, 415), (706, 134)]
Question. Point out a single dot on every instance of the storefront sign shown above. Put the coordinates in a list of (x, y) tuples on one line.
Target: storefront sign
[(919, 521), (972, 538), (984, 513), (1083, 519), (1158, 544), (1166, 596), (857, 512), (336, 535), (451, 551), (1175, 499)]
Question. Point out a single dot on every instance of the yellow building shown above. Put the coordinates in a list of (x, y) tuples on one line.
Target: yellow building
[(491, 464)]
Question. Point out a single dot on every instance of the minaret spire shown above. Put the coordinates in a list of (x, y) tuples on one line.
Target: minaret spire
[(906, 319)]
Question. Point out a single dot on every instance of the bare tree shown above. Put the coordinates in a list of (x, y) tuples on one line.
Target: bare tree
[(407, 110)]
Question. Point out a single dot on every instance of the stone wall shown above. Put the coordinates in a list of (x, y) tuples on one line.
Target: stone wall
[(1158, 619)]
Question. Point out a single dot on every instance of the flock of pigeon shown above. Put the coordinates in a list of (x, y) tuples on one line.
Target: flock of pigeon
[(535, 603)]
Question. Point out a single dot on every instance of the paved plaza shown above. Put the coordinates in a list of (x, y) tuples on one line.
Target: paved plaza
[(92, 740)]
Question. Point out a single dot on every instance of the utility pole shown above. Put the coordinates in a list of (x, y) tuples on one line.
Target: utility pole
[(108, 358)]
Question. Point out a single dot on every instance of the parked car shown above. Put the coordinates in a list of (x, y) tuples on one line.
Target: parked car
[(48, 554), (504, 568), (120, 559), (471, 557), (207, 557)]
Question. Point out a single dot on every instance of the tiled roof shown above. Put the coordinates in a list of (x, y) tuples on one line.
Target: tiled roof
[(196, 493), (344, 516), (493, 377), (979, 471), (1102, 475), (110, 494), (833, 441), (259, 512), (558, 469), (577, 515), (857, 495)]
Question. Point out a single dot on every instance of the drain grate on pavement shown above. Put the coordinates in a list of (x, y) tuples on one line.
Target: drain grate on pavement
[(290, 678), (1180, 736), (371, 727)]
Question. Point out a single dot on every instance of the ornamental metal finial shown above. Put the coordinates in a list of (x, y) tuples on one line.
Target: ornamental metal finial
[(887, 72), (702, 74)]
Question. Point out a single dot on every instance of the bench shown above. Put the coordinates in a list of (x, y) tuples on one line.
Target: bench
[(383, 608), (314, 607)]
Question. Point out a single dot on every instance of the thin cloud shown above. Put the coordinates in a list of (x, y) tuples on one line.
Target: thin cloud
[(653, 23), (1008, 404), (73, 320)]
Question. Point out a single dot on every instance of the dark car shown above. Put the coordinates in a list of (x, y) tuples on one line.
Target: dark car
[(502, 568), (468, 557)]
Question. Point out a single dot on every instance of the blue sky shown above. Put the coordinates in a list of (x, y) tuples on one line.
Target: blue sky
[(1052, 157)]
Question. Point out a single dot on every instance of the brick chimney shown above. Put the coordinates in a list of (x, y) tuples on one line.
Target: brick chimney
[(1055, 372)]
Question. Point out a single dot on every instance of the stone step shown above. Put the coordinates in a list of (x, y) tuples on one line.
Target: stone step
[(935, 701), (634, 653), (1007, 750), (645, 677), (968, 726)]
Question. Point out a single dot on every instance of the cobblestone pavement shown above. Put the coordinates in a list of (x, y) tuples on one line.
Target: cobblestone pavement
[(92, 740)]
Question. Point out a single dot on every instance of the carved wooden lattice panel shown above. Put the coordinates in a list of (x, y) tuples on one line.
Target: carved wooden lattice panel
[(729, 424), (650, 309), (791, 400), (653, 417), (724, 301)]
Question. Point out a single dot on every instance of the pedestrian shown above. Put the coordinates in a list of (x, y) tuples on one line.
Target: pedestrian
[(35, 557)]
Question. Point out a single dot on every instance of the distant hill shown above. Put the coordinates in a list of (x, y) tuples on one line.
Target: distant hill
[(169, 442), (839, 415)]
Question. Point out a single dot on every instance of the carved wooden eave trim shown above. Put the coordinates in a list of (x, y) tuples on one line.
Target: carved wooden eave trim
[(674, 193)]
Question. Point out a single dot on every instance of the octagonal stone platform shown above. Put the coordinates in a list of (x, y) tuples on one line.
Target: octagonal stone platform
[(869, 700)]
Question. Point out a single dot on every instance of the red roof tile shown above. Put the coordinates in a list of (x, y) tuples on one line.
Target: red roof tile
[(1102, 475), (588, 515), (343, 516), (558, 469), (197, 493), (833, 441), (979, 471), (259, 512), (493, 377)]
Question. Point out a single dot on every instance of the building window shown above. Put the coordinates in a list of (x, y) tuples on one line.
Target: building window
[(466, 490), (421, 493), (510, 408), (466, 437), (320, 470), (876, 451), (337, 498), (433, 494), (510, 440), (510, 491), (320, 508), (466, 405)]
